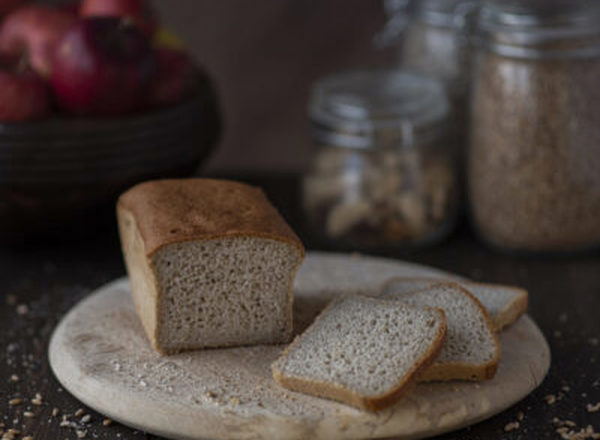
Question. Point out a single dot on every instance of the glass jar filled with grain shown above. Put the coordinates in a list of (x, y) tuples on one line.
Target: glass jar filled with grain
[(534, 159), (382, 176)]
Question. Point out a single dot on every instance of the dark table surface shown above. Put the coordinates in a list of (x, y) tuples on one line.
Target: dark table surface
[(40, 281)]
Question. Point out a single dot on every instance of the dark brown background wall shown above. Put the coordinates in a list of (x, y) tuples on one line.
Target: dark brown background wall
[(264, 54)]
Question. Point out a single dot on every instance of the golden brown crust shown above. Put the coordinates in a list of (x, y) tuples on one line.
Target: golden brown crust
[(175, 210), (342, 394)]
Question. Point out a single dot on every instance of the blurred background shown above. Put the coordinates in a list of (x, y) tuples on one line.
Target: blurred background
[(398, 119)]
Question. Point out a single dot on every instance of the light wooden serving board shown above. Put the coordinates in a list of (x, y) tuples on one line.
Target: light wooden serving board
[(101, 355)]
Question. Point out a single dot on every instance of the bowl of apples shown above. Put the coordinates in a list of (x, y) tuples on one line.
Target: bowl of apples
[(92, 101)]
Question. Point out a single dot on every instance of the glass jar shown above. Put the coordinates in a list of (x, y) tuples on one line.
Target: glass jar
[(534, 162), (382, 175), (435, 39)]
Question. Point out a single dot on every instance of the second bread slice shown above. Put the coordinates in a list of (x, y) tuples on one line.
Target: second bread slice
[(471, 350), (362, 351)]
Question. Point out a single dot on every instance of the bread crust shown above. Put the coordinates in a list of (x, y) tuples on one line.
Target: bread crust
[(174, 210), (342, 394)]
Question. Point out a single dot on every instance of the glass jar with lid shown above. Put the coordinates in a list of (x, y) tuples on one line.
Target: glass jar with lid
[(434, 38), (534, 159), (382, 176)]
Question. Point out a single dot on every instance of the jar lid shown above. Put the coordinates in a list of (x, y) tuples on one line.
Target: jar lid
[(450, 13), (530, 28), (361, 102)]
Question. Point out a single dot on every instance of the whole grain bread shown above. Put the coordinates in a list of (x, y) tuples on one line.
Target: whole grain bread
[(362, 351), (505, 304), (471, 350), (211, 263)]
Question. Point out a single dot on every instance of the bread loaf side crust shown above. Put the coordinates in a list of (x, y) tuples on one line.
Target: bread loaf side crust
[(175, 210), (342, 394), (144, 286)]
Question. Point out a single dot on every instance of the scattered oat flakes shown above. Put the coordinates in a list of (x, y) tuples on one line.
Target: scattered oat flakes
[(55, 412), (15, 401), (28, 437), (79, 412), (511, 426), (593, 408), (107, 422), (80, 433), (86, 418), (28, 414)]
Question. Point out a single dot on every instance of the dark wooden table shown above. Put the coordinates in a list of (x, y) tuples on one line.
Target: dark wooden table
[(39, 282)]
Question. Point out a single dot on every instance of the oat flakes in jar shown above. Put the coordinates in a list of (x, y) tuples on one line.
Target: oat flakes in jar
[(383, 175), (534, 159)]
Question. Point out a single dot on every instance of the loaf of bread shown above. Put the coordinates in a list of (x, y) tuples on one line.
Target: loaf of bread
[(211, 263), (505, 304), (362, 351)]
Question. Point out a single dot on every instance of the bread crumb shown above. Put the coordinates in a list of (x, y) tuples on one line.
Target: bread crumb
[(566, 388), (79, 412), (28, 414), (86, 418), (520, 416), (511, 426), (80, 433), (22, 309), (550, 399), (55, 412), (14, 378), (107, 422), (16, 401), (593, 408)]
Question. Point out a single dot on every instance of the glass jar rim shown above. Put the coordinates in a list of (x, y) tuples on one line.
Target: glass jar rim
[(519, 31), (367, 99)]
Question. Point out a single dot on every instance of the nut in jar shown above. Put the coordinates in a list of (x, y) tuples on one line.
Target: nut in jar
[(381, 176)]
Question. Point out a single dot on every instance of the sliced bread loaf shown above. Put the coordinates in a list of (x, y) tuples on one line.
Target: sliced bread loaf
[(362, 351), (471, 350), (505, 304), (211, 263)]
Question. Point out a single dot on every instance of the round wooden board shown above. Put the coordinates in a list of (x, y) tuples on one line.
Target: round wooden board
[(101, 355)]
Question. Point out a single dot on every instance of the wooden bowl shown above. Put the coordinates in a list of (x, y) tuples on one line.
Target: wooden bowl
[(58, 174)]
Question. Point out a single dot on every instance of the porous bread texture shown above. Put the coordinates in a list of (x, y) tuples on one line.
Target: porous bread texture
[(504, 304), (362, 351), (471, 350), (214, 273)]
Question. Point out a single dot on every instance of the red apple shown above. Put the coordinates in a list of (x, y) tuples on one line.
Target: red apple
[(139, 11), (9, 5), (102, 66), (35, 30), (23, 93), (175, 76)]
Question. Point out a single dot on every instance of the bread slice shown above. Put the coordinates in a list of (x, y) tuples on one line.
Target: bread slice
[(211, 263), (362, 351), (505, 304), (471, 350)]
